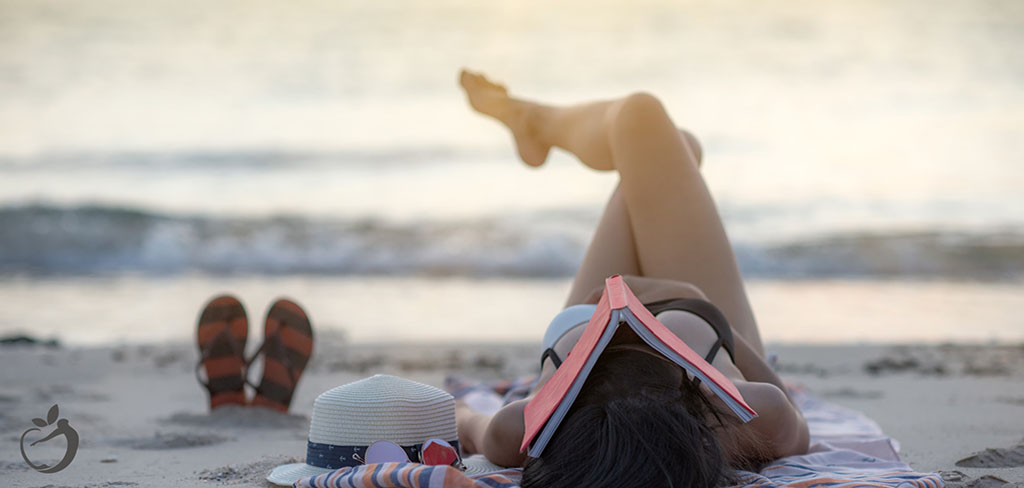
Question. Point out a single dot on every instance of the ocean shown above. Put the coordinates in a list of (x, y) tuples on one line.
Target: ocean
[(865, 157)]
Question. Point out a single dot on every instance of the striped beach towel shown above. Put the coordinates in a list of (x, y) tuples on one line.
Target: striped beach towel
[(847, 449), (409, 475)]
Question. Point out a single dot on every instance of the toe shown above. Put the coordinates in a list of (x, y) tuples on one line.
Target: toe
[(466, 79)]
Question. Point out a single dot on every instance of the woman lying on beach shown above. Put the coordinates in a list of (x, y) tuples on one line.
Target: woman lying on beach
[(639, 421)]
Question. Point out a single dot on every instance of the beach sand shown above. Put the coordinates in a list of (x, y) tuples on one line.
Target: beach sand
[(143, 421)]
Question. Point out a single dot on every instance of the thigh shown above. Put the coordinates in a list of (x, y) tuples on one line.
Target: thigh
[(611, 251), (677, 232)]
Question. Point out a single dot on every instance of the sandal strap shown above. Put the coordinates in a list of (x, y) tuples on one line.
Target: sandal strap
[(273, 340), (214, 351)]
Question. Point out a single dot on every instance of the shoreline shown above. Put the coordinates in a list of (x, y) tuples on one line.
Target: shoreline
[(505, 310), (143, 418)]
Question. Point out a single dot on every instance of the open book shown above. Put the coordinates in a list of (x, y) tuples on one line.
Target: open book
[(618, 306)]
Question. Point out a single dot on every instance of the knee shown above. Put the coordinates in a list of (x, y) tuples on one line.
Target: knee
[(639, 110), (642, 102), (694, 144)]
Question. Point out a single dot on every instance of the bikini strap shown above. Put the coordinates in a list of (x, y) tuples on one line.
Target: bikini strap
[(550, 353), (711, 356), (710, 314), (714, 350), (706, 311)]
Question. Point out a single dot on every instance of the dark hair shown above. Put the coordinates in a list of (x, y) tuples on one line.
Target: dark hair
[(638, 422)]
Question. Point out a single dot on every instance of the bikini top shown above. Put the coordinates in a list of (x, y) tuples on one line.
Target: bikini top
[(701, 308)]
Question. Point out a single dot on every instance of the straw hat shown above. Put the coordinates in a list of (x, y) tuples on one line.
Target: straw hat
[(348, 418)]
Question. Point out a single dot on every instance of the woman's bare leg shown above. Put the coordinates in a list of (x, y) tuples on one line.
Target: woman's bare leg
[(676, 231), (535, 126), (611, 251)]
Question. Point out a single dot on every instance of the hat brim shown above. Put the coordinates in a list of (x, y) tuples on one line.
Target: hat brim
[(288, 474)]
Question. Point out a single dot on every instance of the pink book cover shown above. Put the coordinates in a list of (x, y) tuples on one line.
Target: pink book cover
[(616, 296)]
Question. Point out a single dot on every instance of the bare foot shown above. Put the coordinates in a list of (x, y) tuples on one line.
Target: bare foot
[(519, 116)]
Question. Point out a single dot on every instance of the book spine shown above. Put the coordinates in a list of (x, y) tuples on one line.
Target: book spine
[(541, 441)]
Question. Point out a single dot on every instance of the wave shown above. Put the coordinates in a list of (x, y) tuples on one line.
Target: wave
[(54, 240)]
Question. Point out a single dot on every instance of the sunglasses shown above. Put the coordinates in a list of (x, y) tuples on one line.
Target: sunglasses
[(433, 452)]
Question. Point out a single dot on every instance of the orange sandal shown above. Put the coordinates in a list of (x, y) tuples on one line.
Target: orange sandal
[(221, 335), (287, 347)]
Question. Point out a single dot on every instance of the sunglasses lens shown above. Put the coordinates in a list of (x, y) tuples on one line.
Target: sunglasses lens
[(385, 452), (437, 452)]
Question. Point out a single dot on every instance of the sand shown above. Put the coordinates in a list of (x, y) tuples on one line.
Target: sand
[(142, 418)]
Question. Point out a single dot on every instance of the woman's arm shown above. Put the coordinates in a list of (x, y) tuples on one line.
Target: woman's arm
[(779, 426), (753, 367), (496, 436)]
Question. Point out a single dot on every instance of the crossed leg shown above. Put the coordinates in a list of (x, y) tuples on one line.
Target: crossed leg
[(661, 222)]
